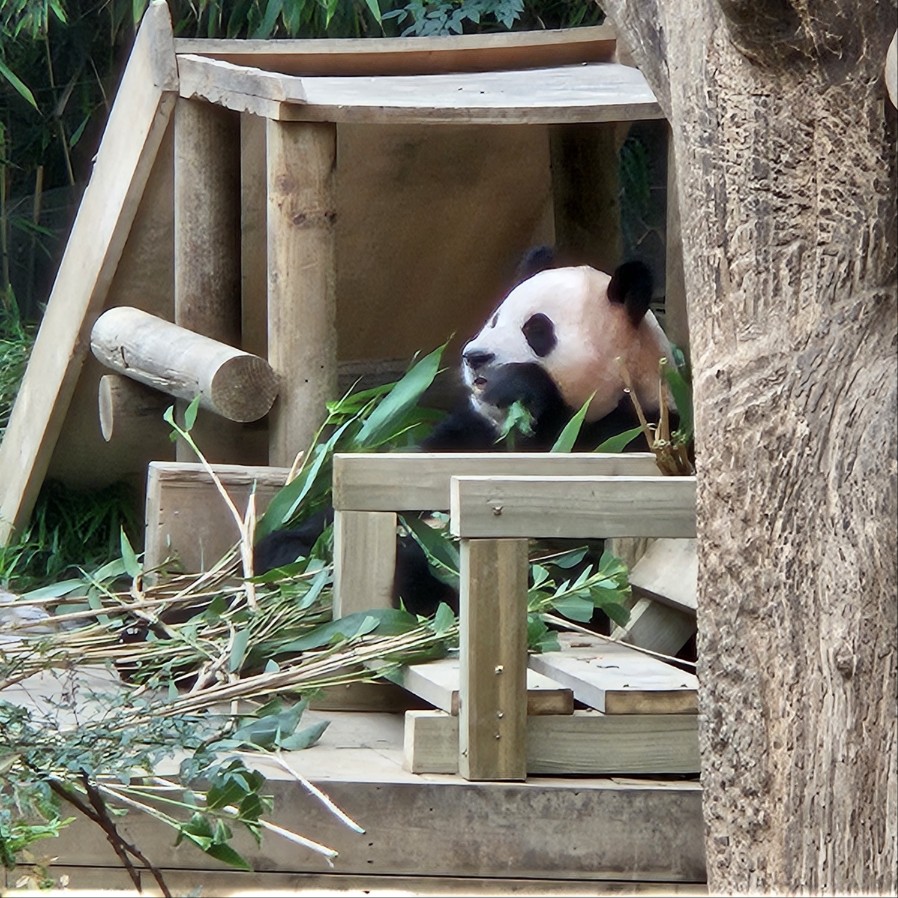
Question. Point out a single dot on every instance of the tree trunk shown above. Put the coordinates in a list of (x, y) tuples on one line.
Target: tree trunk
[(785, 149)]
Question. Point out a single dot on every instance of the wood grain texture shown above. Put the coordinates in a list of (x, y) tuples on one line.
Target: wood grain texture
[(232, 383), (419, 481), (126, 406), (596, 92), (616, 679), (134, 131), (302, 333), (656, 627), (668, 572), (553, 506), (492, 717), (583, 743), (364, 560)]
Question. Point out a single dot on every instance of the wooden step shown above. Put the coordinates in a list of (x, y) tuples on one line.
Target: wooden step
[(616, 679)]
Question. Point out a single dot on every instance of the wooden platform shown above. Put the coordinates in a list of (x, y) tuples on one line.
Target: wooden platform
[(436, 833)]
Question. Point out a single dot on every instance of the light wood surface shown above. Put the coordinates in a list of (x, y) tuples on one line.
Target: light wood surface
[(572, 506), (419, 481), (492, 716), (364, 560), (232, 383), (582, 743), (617, 679)]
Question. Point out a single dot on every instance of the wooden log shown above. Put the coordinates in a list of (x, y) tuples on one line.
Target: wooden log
[(237, 385), (134, 131), (126, 406), (592, 506), (302, 330), (418, 481), (583, 743), (492, 719), (207, 250), (364, 560), (616, 679)]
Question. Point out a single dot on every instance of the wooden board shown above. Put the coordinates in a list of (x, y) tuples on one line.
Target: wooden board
[(617, 679), (437, 682), (668, 573), (413, 55), (134, 131), (593, 92), (562, 507), (419, 481), (187, 517), (656, 627), (585, 742)]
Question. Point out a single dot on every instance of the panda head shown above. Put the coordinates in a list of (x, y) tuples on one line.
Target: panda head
[(580, 325)]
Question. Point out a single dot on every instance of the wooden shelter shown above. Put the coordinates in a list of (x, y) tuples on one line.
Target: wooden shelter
[(231, 242)]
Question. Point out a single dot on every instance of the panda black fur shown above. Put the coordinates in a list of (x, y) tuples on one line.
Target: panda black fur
[(553, 343)]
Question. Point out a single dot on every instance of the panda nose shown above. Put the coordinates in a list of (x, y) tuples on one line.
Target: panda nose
[(476, 358)]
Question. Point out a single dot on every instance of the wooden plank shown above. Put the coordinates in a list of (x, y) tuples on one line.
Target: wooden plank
[(238, 88), (413, 55), (186, 516), (668, 573), (437, 682), (302, 330), (572, 506), (583, 743), (656, 627), (136, 126), (617, 679), (595, 92), (364, 560), (419, 481), (492, 717)]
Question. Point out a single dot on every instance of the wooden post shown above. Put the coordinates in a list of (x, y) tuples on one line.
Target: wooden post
[(126, 406), (207, 247), (493, 652), (364, 560), (302, 335)]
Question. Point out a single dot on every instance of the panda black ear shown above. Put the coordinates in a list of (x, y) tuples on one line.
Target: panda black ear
[(535, 260), (631, 285)]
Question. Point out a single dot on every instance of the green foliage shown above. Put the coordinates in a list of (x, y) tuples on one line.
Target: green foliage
[(69, 530), (16, 341)]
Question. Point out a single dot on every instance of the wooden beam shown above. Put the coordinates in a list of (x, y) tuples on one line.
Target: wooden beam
[(302, 332), (572, 506), (617, 679), (668, 573), (238, 88), (656, 627), (437, 682), (492, 717), (136, 126), (207, 251), (419, 481), (412, 55), (584, 743), (235, 384), (364, 560), (596, 92)]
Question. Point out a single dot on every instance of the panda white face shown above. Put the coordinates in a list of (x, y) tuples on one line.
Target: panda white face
[(563, 320)]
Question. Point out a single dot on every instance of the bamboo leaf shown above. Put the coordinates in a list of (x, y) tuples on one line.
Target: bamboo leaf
[(238, 650), (17, 84), (129, 556), (620, 442), (571, 431)]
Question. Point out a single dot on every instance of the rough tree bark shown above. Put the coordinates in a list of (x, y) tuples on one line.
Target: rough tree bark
[(786, 163)]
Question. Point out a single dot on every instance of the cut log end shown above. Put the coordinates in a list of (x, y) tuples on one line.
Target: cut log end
[(244, 388)]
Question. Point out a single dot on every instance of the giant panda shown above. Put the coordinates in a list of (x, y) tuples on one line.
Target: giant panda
[(561, 338), (556, 341)]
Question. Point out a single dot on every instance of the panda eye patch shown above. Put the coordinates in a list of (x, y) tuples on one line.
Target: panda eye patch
[(539, 332)]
